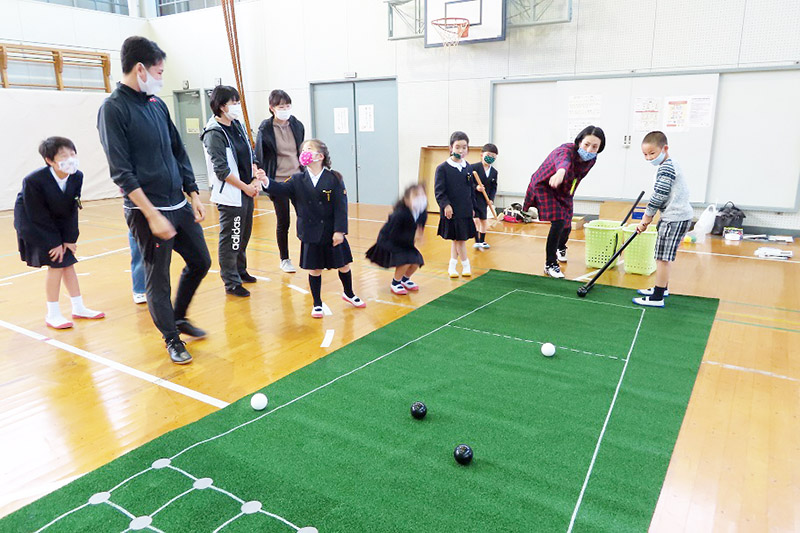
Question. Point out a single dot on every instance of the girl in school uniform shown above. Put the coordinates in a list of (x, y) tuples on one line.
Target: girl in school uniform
[(46, 220), (320, 200), (552, 188), (395, 245), (453, 188), (488, 175)]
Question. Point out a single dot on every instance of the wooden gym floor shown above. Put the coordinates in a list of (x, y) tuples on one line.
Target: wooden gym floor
[(74, 400)]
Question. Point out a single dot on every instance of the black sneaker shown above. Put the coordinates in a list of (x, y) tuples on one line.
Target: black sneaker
[(187, 328), (238, 291), (176, 349), (247, 278)]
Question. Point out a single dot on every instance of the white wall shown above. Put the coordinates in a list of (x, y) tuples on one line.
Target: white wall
[(289, 43)]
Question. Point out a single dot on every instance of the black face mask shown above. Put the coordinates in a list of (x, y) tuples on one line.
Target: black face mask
[(455, 155)]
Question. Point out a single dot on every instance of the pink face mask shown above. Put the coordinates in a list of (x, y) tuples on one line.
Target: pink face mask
[(306, 157)]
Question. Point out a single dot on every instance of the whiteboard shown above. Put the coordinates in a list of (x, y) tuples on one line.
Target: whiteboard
[(756, 156), (532, 118)]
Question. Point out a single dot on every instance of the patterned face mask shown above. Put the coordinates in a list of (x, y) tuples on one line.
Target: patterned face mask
[(455, 155), (586, 156), (69, 166), (489, 159), (306, 157)]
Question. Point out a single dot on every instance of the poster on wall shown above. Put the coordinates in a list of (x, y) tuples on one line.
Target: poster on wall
[(583, 110), (646, 112), (192, 126), (340, 121), (366, 117), (701, 111), (676, 113)]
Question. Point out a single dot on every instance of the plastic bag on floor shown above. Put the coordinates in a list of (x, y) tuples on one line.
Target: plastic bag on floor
[(704, 224)]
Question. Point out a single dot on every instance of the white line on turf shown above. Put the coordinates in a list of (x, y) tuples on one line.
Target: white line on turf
[(117, 366), (751, 370), (60, 517), (326, 310), (536, 342), (179, 496), (298, 289), (229, 521), (328, 339), (605, 425), (120, 509), (631, 307)]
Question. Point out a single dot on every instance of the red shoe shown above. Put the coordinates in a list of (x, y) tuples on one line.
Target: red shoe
[(355, 301)]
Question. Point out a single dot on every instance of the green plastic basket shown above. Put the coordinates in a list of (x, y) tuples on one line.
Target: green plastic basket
[(602, 239), (640, 254)]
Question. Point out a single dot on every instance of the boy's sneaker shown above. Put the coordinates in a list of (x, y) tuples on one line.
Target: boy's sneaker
[(139, 298), (553, 271), (316, 312), (399, 288), (410, 285), (561, 255), (649, 292), (355, 301), (247, 278), (238, 290), (287, 266), (647, 302)]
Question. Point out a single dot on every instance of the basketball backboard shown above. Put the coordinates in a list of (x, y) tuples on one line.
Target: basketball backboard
[(487, 19)]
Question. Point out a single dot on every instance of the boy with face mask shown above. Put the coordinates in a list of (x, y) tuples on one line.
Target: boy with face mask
[(148, 162), (671, 197)]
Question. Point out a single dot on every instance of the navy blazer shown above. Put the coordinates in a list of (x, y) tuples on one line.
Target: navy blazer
[(321, 210), (45, 216), (489, 182), (455, 188), (398, 233)]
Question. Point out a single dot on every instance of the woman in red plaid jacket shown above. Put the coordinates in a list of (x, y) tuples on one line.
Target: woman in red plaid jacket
[(552, 188)]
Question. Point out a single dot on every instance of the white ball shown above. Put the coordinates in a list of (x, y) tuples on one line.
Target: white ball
[(548, 350), (259, 401)]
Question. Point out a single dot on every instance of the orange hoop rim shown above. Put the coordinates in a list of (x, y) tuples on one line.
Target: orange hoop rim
[(451, 29), (447, 23)]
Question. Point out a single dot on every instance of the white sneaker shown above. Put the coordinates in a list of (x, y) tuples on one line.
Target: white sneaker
[(355, 301), (561, 255), (466, 270), (553, 271), (485, 245), (316, 312), (139, 298), (399, 289), (649, 292), (287, 266), (647, 302), (478, 245)]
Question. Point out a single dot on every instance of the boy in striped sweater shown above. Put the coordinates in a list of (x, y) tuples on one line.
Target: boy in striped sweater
[(671, 197)]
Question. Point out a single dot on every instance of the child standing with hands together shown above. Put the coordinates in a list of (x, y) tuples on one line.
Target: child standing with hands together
[(453, 189), (320, 199), (488, 175)]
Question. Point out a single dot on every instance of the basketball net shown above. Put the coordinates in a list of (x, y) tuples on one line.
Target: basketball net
[(451, 30), (233, 42)]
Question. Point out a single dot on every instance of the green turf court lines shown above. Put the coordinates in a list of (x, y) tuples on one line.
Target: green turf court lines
[(574, 441)]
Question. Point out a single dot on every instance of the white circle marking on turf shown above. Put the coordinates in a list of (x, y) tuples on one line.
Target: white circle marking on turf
[(161, 463), (251, 507), (140, 522), (203, 483), (100, 497)]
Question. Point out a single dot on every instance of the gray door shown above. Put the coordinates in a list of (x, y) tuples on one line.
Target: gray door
[(334, 125), (358, 122), (189, 118), (377, 157)]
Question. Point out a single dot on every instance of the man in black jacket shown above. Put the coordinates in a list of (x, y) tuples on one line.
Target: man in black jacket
[(148, 162)]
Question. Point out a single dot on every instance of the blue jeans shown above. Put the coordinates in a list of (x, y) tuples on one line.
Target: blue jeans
[(137, 266)]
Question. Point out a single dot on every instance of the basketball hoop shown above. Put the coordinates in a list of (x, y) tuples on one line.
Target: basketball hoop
[(451, 29)]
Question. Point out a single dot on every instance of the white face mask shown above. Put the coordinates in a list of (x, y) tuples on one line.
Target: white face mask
[(234, 112), (283, 114), (69, 165), (152, 85), (418, 205)]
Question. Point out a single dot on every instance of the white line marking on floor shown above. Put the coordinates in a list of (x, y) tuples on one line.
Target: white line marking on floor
[(262, 278), (28, 273), (298, 289), (326, 310), (105, 254), (5, 284), (85, 274), (392, 303), (751, 370), (212, 271), (117, 366), (328, 339), (605, 425)]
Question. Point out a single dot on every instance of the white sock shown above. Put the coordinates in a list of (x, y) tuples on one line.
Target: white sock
[(465, 264), (453, 264), (77, 305), (53, 311)]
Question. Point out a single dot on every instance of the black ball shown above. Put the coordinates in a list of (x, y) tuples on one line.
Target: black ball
[(418, 410), (463, 454), (582, 292)]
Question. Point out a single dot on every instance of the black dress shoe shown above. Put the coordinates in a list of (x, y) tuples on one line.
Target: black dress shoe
[(247, 278), (177, 352), (238, 291), (186, 327)]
